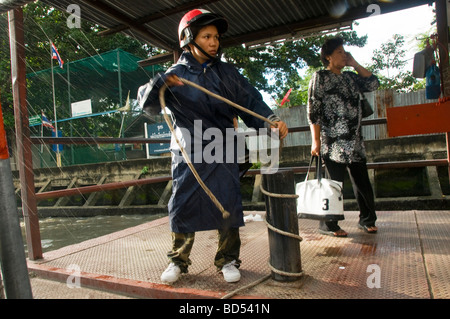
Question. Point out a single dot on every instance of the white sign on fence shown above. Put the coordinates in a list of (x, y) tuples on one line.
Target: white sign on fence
[(81, 108)]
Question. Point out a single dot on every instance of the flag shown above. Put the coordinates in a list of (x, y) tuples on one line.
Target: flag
[(55, 55), (46, 122), (285, 99)]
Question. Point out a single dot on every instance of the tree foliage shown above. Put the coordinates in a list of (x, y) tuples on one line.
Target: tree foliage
[(43, 24), (272, 69), (276, 69), (388, 64)]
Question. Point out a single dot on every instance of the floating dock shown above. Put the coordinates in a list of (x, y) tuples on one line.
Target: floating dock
[(407, 259)]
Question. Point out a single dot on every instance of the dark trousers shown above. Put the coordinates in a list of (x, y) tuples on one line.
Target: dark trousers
[(362, 189)]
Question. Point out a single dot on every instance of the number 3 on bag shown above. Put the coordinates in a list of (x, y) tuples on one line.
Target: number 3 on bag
[(319, 198), (326, 204)]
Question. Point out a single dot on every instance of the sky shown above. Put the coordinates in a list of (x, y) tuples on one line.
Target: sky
[(381, 28)]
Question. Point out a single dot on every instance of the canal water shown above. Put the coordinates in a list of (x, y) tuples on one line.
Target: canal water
[(57, 232)]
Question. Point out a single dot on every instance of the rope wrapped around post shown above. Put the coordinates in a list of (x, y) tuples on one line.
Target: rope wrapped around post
[(285, 257)]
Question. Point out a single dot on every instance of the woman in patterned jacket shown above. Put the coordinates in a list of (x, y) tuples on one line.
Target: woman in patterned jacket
[(334, 116)]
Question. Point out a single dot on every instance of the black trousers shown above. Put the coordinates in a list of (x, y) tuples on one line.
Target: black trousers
[(362, 189)]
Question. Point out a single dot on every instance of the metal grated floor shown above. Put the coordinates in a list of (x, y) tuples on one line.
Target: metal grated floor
[(408, 258)]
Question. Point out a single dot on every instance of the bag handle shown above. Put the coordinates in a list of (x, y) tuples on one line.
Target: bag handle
[(319, 167), (317, 159)]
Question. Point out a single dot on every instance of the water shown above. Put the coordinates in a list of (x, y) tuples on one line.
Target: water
[(57, 232)]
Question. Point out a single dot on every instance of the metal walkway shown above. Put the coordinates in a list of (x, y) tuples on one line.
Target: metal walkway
[(408, 258)]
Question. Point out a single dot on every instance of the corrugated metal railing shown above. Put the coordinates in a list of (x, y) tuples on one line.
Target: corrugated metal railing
[(118, 185)]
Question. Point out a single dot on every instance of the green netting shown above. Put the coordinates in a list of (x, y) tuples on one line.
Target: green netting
[(108, 76), (104, 79)]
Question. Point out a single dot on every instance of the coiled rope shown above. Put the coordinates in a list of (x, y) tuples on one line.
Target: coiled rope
[(272, 268), (282, 232)]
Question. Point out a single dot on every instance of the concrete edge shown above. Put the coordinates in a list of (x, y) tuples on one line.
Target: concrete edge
[(128, 287)]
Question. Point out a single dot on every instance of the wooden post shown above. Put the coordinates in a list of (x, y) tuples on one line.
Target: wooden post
[(443, 34), (281, 213), (24, 156), (447, 138)]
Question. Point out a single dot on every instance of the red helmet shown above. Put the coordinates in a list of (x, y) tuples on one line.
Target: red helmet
[(199, 17)]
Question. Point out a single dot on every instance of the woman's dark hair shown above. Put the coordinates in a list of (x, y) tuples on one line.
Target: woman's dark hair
[(328, 48)]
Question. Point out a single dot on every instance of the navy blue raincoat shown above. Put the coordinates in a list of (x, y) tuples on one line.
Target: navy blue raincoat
[(199, 120)]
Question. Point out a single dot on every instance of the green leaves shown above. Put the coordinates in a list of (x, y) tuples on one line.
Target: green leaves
[(388, 64), (275, 69)]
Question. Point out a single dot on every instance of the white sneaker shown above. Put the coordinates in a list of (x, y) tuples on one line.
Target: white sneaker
[(230, 272), (171, 274)]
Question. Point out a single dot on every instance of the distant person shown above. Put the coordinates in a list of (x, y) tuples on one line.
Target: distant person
[(190, 208), (334, 116)]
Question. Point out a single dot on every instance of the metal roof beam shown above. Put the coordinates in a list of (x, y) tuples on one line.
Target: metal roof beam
[(352, 14), (158, 15), (130, 23)]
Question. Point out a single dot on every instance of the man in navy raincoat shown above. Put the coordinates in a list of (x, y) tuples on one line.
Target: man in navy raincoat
[(203, 125)]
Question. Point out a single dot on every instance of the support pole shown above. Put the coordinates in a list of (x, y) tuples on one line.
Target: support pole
[(443, 34), (281, 214), (447, 138), (23, 142), (12, 254)]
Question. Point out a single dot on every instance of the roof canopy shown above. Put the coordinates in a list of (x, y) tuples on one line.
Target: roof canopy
[(255, 21)]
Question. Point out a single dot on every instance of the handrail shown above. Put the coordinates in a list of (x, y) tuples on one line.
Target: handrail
[(134, 140), (99, 188), (117, 185), (305, 128), (144, 181), (96, 140)]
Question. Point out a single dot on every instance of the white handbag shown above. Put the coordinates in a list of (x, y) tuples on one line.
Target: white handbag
[(319, 198)]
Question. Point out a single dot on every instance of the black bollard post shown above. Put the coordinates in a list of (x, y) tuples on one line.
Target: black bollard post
[(281, 213)]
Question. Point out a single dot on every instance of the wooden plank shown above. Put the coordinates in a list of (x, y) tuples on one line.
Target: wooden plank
[(92, 199), (64, 200), (130, 193)]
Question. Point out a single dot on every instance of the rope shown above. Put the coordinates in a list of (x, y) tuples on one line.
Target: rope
[(187, 82), (285, 273), (257, 282), (277, 195), (272, 268), (281, 232), (225, 214)]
